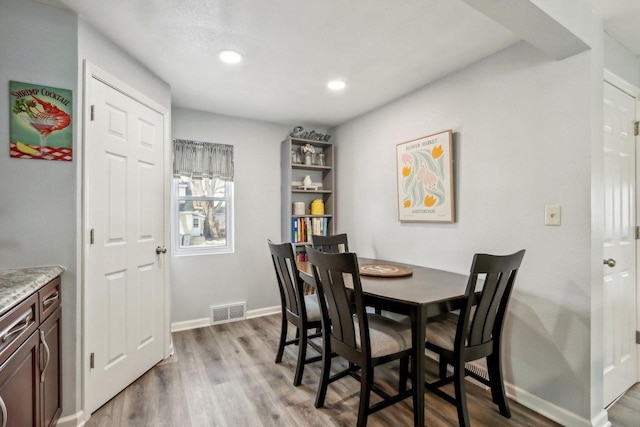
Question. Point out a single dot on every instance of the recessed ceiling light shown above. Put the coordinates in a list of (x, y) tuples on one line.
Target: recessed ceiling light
[(336, 85), (230, 56)]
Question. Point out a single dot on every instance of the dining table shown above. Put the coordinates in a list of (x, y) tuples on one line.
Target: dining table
[(424, 293)]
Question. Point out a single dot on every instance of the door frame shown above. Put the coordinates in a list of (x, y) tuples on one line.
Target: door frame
[(633, 91), (92, 71)]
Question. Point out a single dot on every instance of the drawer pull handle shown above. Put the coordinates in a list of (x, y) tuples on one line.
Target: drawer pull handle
[(3, 407), (25, 320), (51, 299), (46, 350)]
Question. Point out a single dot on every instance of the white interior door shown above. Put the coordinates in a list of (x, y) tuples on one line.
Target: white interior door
[(124, 285), (619, 268)]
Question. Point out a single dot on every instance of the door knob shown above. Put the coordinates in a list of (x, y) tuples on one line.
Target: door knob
[(610, 262), (163, 250)]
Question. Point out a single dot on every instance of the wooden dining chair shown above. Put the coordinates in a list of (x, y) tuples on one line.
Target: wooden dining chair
[(330, 244), (364, 339), (301, 310), (475, 332)]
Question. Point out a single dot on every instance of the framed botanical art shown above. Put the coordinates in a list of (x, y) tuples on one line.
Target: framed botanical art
[(425, 179)]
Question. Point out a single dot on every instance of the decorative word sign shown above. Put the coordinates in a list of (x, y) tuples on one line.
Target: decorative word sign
[(298, 132)]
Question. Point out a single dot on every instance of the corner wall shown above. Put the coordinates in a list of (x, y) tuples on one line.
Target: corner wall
[(200, 281), (38, 44), (522, 140)]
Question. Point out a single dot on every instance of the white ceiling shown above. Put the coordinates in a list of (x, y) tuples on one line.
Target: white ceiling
[(292, 48)]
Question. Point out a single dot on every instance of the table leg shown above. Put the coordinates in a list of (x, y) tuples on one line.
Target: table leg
[(419, 322)]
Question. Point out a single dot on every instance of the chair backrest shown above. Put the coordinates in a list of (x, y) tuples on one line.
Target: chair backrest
[(330, 244), (338, 302), (497, 275), (289, 281)]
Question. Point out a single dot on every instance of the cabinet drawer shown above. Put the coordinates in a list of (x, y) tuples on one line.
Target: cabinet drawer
[(17, 325), (49, 298)]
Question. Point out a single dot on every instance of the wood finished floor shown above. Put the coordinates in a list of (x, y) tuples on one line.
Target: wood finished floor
[(626, 411), (225, 375)]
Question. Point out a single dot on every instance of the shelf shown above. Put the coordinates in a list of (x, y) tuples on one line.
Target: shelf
[(310, 167), (300, 141), (322, 187), (311, 191)]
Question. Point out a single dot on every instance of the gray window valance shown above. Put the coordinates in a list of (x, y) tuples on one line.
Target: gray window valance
[(202, 160)]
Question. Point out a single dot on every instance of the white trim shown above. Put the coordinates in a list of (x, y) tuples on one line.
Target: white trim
[(267, 311), (548, 409), (190, 324), (93, 71), (621, 84), (206, 321), (73, 420), (601, 420)]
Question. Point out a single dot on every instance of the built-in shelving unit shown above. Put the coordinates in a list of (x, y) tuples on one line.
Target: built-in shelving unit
[(321, 173)]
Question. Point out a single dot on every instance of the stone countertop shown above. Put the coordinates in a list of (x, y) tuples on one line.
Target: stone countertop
[(17, 284)]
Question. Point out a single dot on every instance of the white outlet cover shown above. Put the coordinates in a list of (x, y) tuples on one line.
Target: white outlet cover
[(552, 215)]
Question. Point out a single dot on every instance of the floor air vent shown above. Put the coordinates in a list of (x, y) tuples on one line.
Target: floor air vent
[(228, 313)]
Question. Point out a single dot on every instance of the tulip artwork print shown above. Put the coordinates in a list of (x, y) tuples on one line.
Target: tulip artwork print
[(425, 179)]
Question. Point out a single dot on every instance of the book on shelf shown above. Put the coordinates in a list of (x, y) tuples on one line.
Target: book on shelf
[(303, 228)]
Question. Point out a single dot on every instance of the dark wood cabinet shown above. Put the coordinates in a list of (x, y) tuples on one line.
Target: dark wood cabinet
[(19, 386), (30, 362), (50, 381)]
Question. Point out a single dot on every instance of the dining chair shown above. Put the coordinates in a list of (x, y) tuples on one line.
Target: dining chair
[(475, 332), (365, 340), (330, 244), (298, 309)]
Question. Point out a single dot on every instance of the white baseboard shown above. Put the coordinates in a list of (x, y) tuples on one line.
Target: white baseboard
[(190, 324), (267, 311), (549, 410), (206, 321), (74, 420)]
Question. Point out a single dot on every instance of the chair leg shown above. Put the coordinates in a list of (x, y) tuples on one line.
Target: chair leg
[(283, 338), (461, 395), (302, 356), (494, 366), (404, 369), (324, 374), (366, 379), (442, 367)]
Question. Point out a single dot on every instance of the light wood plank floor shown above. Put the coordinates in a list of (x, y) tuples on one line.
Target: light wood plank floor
[(626, 411), (225, 375)]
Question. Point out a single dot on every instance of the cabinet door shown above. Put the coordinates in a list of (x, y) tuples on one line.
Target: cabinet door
[(50, 379), (19, 386)]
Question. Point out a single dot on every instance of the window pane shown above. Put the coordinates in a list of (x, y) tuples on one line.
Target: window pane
[(203, 223), (202, 187)]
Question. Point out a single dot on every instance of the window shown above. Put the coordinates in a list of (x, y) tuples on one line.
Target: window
[(203, 197)]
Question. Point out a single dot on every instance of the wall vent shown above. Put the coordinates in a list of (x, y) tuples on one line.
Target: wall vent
[(228, 313), (479, 370)]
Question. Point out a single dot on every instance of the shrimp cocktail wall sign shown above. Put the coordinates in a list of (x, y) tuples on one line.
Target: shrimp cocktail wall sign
[(40, 122), (425, 179)]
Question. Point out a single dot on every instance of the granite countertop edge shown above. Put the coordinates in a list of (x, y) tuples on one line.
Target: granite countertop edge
[(17, 284)]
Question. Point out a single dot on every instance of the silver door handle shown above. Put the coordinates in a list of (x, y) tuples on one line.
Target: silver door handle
[(610, 262), (3, 407), (161, 250), (51, 299), (10, 331), (46, 349)]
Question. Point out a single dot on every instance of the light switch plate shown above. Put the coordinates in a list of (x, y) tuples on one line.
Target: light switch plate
[(552, 215)]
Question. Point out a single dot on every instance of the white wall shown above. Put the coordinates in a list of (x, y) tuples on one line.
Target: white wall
[(522, 135), (200, 281), (38, 198)]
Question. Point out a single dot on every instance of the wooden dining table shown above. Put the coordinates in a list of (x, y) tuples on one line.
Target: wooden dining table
[(427, 292)]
